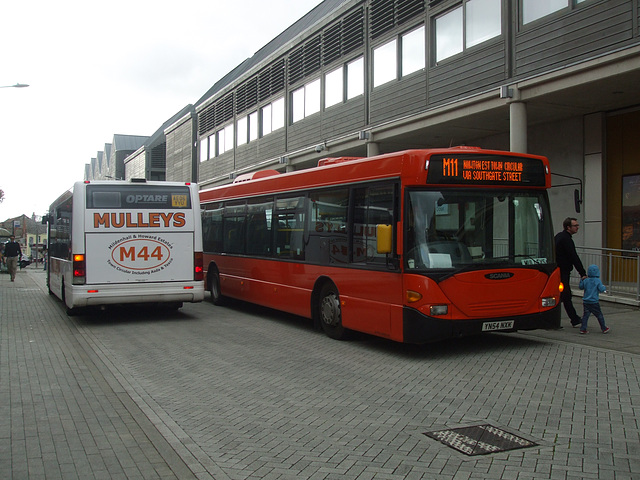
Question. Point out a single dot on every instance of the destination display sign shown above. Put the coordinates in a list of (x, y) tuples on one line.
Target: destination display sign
[(499, 170)]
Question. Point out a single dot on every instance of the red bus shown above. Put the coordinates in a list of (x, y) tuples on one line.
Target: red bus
[(414, 246)]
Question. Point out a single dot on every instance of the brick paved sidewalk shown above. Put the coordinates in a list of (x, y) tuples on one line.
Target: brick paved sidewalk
[(62, 415), (240, 395)]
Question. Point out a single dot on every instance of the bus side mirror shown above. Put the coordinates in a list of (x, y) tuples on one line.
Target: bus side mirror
[(577, 200), (384, 238)]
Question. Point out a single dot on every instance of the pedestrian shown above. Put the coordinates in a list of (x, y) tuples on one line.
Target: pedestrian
[(13, 254), (567, 258), (592, 286)]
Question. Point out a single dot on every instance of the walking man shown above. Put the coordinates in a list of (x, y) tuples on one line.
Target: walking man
[(567, 258), (12, 253)]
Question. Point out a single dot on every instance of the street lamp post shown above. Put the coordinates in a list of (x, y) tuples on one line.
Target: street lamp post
[(17, 85)]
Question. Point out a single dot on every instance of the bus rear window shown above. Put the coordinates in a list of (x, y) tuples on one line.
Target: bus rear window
[(133, 197)]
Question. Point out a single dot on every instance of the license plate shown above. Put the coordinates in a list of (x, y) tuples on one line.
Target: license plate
[(492, 326)]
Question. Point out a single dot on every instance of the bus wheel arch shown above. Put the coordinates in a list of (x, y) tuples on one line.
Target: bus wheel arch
[(213, 285), (326, 310), (70, 311)]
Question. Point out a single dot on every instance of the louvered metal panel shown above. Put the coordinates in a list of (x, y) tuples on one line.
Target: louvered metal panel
[(252, 93), (408, 9), (382, 17), (277, 77), (264, 84), (241, 98), (224, 110), (206, 119), (312, 56), (296, 65), (158, 156), (331, 43), (353, 31), (385, 14)]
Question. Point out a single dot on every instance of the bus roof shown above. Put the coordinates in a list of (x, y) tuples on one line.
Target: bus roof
[(342, 170)]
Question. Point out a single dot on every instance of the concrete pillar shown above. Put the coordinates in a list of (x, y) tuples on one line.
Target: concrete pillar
[(518, 127), (373, 149), (594, 180)]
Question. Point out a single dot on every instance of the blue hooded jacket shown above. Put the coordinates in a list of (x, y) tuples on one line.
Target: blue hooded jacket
[(592, 285)]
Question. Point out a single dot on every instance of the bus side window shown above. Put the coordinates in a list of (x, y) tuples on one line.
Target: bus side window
[(233, 227), (289, 223), (372, 206), (212, 233), (259, 216), (327, 240)]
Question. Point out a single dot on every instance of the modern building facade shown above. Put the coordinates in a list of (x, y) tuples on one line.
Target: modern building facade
[(109, 164), (360, 77), (150, 160)]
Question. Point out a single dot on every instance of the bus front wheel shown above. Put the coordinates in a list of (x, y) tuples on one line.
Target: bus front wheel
[(329, 312)]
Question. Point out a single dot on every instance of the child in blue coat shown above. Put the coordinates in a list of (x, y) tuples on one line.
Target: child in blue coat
[(592, 287)]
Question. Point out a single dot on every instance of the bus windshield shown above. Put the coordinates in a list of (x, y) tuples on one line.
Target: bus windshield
[(453, 229)]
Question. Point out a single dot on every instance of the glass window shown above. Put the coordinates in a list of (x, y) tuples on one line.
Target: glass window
[(289, 224), (312, 98), (466, 26), (482, 21), (535, 9), (259, 215), (277, 117), (355, 78), (212, 145), (212, 233), (242, 130), (272, 117), (305, 101), (449, 34), (228, 138), (253, 126), (266, 119), (385, 63), (220, 142), (234, 227), (204, 149), (297, 105), (333, 88), (454, 228), (373, 206), (328, 240), (413, 51)]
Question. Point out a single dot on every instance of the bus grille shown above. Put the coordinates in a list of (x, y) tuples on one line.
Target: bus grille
[(497, 308)]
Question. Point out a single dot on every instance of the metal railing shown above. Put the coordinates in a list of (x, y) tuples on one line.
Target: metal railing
[(619, 271)]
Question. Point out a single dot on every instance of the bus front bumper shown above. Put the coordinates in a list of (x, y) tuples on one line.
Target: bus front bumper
[(419, 328)]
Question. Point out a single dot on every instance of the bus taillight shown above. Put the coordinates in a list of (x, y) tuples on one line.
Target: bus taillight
[(79, 269), (198, 273)]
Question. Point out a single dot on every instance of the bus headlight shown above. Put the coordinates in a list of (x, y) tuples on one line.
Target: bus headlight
[(435, 310), (549, 302)]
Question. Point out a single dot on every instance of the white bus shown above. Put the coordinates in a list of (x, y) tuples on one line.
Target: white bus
[(124, 242)]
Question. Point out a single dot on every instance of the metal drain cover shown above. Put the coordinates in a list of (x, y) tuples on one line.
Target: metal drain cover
[(480, 439)]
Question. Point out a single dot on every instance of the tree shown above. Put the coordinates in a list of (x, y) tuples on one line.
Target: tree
[(1, 195)]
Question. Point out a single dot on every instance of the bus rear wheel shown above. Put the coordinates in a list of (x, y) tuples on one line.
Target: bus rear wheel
[(213, 282), (329, 312)]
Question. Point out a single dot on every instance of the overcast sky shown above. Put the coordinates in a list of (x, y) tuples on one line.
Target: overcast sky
[(118, 67)]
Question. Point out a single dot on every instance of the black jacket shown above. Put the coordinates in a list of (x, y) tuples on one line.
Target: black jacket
[(12, 249), (566, 255)]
